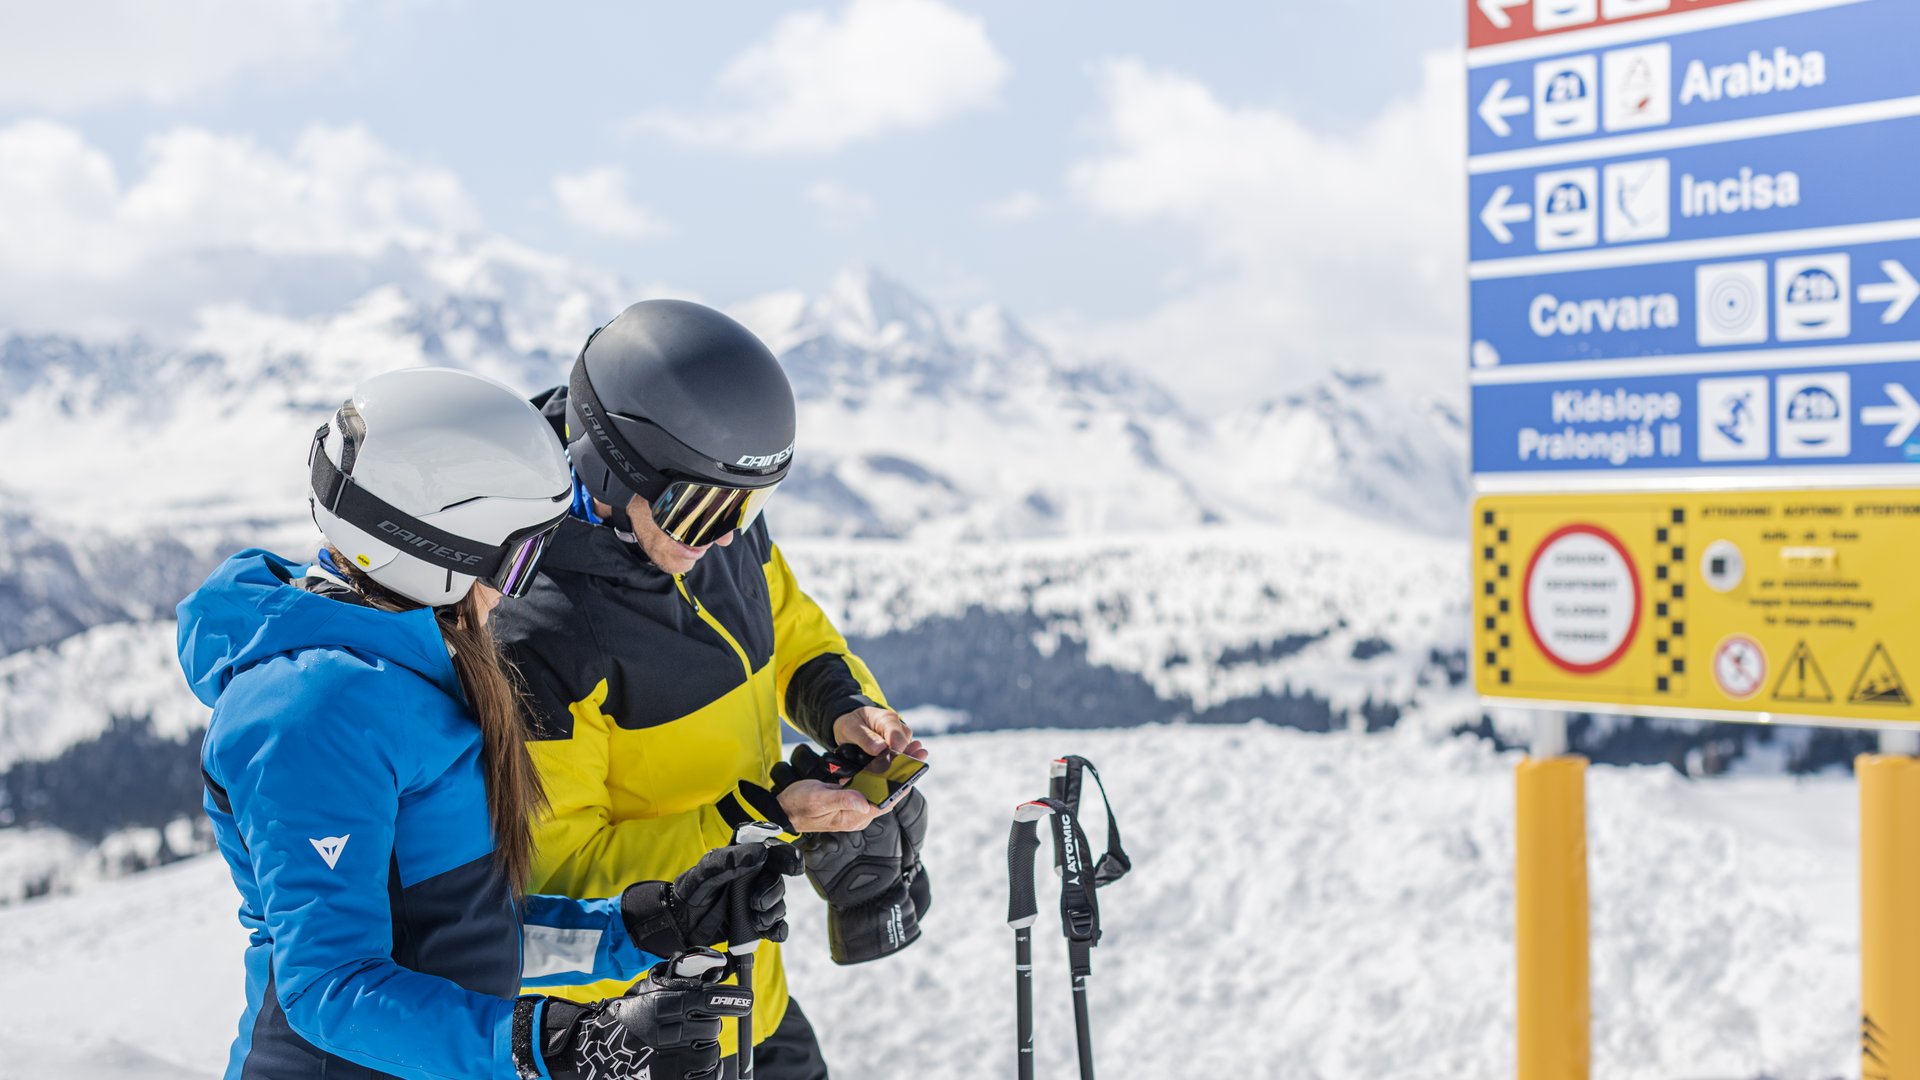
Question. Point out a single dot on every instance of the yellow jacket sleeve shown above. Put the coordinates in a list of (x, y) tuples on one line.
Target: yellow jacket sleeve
[(817, 678)]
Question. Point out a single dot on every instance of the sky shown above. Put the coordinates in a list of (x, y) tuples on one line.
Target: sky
[(1235, 197)]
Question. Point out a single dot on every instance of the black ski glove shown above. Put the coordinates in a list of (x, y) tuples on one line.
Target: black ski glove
[(912, 815), (695, 910), (666, 1028), (874, 885), (835, 767)]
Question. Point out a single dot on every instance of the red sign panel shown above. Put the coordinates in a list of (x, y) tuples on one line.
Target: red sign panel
[(1490, 22)]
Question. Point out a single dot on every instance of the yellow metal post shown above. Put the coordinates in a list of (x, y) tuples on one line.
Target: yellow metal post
[(1550, 917), (1889, 927)]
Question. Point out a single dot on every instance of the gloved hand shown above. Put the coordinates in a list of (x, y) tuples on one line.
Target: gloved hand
[(874, 885), (810, 790), (694, 910), (912, 816), (666, 1028), (834, 767)]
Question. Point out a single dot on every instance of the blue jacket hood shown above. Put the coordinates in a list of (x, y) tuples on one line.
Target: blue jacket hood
[(250, 610)]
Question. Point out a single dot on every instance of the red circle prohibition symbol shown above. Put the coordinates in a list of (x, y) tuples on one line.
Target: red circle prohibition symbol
[(1526, 594), (1759, 678)]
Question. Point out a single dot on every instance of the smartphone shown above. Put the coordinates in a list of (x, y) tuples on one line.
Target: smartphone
[(888, 785)]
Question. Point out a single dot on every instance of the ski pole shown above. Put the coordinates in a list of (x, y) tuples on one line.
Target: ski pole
[(1082, 1027), (741, 942), (1081, 914), (1079, 920), (1023, 908), (1080, 879)]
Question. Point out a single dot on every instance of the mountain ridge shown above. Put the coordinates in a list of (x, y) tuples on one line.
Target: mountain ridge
[(1003, 434)]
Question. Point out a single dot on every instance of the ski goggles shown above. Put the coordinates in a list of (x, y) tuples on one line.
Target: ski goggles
[(697, 514), (508, 566), (520, 561)]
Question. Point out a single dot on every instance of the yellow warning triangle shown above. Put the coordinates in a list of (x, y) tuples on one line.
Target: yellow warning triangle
[(1879, 683), (1802, 680)]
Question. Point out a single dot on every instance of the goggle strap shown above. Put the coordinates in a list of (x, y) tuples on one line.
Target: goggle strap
[(619, 457), (356, 505)]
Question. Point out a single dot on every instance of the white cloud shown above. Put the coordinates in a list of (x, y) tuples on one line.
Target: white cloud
[(83, 246), (339, 190), (839, 205), (819, 81), (75, 54), (1322, 250), (596, 201), (1019, 206)]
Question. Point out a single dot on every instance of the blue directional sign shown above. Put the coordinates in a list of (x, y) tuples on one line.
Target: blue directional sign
[(1695, 243), (1800, 180), (1858, 294), (1821, 59), (1865, 414)]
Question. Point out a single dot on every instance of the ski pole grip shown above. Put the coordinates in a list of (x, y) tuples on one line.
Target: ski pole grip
[(740, 936), (1023, 843), (741, 939)]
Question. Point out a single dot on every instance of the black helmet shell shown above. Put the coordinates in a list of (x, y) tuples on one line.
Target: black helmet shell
[(691, 393)]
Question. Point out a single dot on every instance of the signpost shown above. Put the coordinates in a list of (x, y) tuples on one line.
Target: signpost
[(1694, 358)]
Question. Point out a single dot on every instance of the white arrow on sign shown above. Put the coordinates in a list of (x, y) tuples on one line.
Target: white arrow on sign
[(1903, 414), (1499, 213), (1497, 106), (1496, 12), (1898, 293)]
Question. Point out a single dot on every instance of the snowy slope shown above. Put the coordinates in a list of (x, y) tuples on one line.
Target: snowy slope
[(1283, 624), (1346, 609), (53, 697), (1194, 615), (1303, 906)]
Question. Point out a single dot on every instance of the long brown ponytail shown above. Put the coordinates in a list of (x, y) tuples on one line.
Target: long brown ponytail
[(494, 697)]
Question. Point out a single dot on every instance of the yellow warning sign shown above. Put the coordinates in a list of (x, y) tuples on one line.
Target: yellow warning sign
[(1879, 683), (1743, 603), (1801, 680)]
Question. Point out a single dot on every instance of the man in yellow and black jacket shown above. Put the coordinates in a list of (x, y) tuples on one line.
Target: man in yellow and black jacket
[(665, 637)]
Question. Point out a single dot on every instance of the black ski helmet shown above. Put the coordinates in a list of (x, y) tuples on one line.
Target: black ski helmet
[(672, 392)]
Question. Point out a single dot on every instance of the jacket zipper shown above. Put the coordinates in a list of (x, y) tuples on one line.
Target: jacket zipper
[(746, 668)]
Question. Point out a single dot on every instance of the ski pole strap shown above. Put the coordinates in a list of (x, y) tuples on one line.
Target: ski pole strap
[(1079, 958), (1066, 787), (1079, 908)]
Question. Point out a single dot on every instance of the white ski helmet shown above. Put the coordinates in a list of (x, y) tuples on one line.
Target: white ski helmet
[(428, 479)]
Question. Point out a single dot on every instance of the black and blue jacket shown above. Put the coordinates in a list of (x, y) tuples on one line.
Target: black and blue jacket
[(345, 784)]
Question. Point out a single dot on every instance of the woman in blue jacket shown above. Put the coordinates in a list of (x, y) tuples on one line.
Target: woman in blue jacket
[(371, 792)]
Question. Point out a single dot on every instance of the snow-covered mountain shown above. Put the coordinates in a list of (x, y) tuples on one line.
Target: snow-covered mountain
[(131, 463), (915, 423), (1354, 442)]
